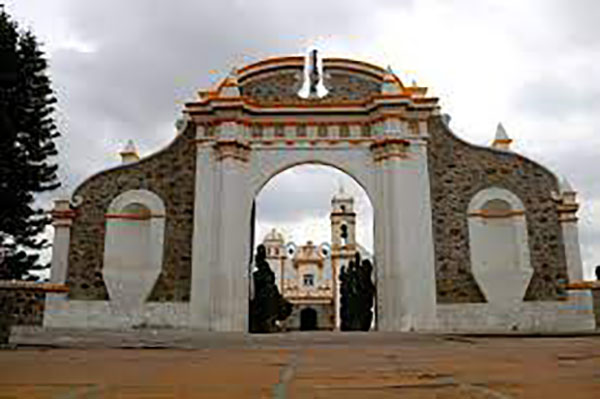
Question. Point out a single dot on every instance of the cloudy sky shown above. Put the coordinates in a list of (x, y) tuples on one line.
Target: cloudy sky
[(122, 69)]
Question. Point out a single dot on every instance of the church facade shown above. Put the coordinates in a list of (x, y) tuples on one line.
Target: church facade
[(467, 238), (308, 275)]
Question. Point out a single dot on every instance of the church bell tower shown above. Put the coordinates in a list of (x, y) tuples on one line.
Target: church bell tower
[(343, 221)]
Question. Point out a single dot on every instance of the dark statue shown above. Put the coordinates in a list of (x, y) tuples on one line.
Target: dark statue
[(357, 293), (268, 305), (314, 74), (598, 273), (343, 299)]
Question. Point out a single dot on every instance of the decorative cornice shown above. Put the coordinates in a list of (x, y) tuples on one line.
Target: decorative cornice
[(340, 214), (584, 285), (390, 148), (32, 286), (270, 141), (63, 217), (567, 211), (63, 214), (566, 206), (232, 148), (212, 100)]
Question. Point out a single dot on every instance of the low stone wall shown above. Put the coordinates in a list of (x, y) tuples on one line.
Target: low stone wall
[(22, 306), (457, 172), (594, 288), (596, 296), (62, 312), (575, 313), (23, 303)]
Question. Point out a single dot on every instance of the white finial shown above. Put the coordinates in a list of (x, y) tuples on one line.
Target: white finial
[(390, 82), (569, 196), (229, 86), (446, 118), (501, 139), (129, 153), (501, 133), (565, 186)]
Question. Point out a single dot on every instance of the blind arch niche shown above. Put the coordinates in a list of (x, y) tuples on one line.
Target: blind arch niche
[(133, 247), (498, 241)]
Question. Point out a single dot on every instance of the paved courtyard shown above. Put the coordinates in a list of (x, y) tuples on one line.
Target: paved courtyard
[(187, 364)]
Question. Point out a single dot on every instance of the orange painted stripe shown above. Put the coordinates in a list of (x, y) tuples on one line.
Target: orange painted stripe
[(132, 216)]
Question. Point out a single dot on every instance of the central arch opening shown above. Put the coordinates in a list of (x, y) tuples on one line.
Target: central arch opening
[(312, 219)]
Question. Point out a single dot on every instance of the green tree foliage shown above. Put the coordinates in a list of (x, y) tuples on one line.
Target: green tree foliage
[(27, 133)]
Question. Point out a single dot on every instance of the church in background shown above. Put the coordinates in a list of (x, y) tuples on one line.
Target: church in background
[(308, 275)]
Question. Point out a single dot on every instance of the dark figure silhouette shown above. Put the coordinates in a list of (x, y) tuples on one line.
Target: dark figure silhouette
[(598, 273), (367, 293), (356, 295), (268, 305), (314, 73), (344, 313)]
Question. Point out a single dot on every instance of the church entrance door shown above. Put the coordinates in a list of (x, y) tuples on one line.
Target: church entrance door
[(308, 319)]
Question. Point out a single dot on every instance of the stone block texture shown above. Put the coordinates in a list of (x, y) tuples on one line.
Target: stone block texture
[(282, 87), (22, 306), (170, 174), (596, 301), (457, 171)]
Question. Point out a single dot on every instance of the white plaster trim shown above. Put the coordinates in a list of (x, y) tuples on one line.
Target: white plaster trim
[(492, 193), (503, 285), (574, 314), (144, 197), (62, 312), (130, 274)]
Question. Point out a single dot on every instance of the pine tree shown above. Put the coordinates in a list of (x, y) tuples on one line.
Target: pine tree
[(27, 131)]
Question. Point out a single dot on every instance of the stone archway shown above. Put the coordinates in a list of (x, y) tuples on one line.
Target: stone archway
[(317, 246), (242, 143)]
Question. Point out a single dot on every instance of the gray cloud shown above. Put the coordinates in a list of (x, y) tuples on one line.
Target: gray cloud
[(577, 21), (297, 202), (554, 98), (149, 56), (305, 192)]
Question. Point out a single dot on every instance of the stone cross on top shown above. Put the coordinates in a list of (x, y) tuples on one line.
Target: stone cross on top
[(313, 74)]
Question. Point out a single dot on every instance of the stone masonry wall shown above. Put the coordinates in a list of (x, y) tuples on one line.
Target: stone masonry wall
[(457, 171), (170, 174), (282, 87), (22, 306), (596, 304)]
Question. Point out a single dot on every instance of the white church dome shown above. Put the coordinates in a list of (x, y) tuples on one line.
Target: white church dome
[(273, 235)]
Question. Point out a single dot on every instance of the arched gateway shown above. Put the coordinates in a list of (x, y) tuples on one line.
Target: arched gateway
[(419, 177)]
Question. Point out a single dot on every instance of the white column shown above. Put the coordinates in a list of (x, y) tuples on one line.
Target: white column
[(406, 283), (229, 277), (62, 217), (568, 220), (204, 236), (572, 250)]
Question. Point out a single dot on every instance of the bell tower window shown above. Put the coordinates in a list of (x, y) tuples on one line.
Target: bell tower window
[(308, 280)]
